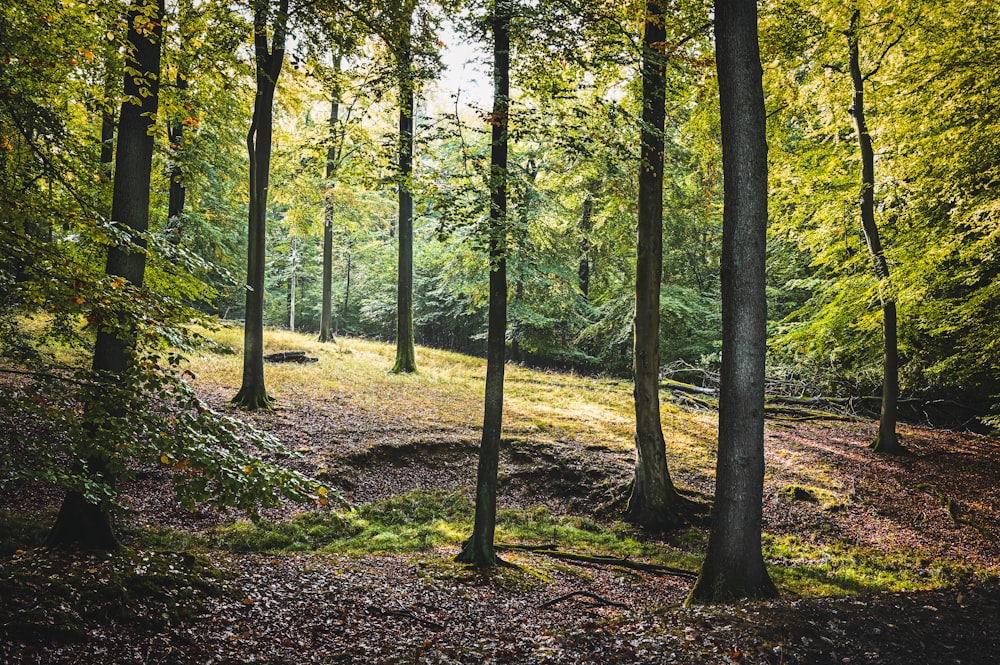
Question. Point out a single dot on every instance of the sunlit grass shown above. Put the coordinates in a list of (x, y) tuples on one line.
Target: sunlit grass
[(422, 521), (447, 391), (834, 569)]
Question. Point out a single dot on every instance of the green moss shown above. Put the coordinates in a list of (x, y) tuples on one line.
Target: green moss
[(835, 569), (421, 521)]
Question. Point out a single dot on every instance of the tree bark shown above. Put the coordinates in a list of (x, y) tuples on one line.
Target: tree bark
[(326, 315), (175, 135), (654, 502), (253, 394), (347, 287), (293, 284), (734, 566), (405, 355), (479, 549), (886, 441), (177, 192), (586, 227), (81, 523)]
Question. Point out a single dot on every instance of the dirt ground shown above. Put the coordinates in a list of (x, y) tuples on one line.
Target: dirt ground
[(309, 608)]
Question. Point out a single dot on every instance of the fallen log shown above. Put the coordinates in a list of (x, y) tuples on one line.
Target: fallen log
[(687, 387), (289, 357)]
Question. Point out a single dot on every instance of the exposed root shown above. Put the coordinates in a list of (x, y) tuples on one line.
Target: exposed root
[(554, 552)]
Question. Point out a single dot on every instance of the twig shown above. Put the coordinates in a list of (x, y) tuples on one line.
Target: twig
[(598, 600), (406, 614)]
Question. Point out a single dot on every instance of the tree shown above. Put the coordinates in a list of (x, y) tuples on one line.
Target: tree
[(253, 394), (886, 441), (175, 134), (332, 158), (478, 550), (81, 521), (734, 565), (402, 48), (654, 502)]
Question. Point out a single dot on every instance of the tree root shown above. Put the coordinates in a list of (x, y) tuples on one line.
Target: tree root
[(554, 552), (599, 601), (253, 400)]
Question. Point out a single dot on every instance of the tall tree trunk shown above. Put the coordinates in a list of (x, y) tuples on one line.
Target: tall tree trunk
[(654, 503), (81, 523), (252, 394), (887, 440), (177, 192), (583, 270), (107, 142), (405, 356), (326, 315), (479, 549), (175, 134), (293, 285), (347, 287), (734, 565)]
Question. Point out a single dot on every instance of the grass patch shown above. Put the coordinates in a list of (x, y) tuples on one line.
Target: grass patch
[(421, 521), (446, 393), (803, 568), (413, 522), (823, 498)]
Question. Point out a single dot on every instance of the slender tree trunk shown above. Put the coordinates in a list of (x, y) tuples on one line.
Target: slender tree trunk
[(887, 440), (347, 287), (111, 80), (654, 503), (583, 270), (479, 549), (175, 135), (734, 566), (252, 394), (107, 142), (81, 523), (177, 192), (326, 315), (293, 285), (405, 355)]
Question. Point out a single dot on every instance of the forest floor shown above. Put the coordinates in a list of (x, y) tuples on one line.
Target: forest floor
[(879, 560)]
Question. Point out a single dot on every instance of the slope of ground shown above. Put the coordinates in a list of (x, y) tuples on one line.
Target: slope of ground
[(880, 560)]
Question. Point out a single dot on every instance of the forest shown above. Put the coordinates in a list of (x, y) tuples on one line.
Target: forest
[(464, 331)]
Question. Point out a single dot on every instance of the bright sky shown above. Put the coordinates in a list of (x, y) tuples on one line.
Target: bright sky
[(466, 73)]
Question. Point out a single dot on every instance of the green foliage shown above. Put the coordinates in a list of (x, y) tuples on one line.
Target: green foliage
[(932, 126), (152, 420)]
